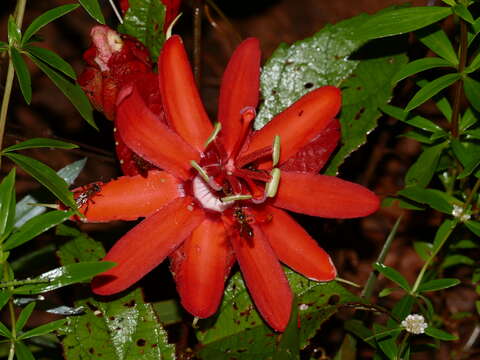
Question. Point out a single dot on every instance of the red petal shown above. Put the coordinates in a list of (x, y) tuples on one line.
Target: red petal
[(130, 197), (295, 248), (240, 84), (180, 97), (265, 278), (313, 156), (147, 245), (324, 196), (298, 124), (145, 134), (201, 274)]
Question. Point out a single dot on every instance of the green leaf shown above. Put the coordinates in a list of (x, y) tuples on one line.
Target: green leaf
[(4, 297), (402, 308), (385, 292), (419, 65), (438, 284), (444, 106), (168, 311), (357, 328), (7, 199), (423, 249), (393, 275), (473, 226), (401, 21), (43, 329), (4, 331), (72, 91), (123, 328), (22, 352), (288, 346), (468, 119), (23, 75), (35, 227), (416, 121), (348, 349), (64, 276), (93, 9), (40, 143), (238, 326), (436, 40), (14, 33), (437, 199), (24, 316), (463, 12), (440, 334), (447, 227), (385, 340), (431, 89), (144, 21), (422, 170), (45, 19), (472, 91), (456, 259), (52, 59), (468, 153), (474, 64), (45, 176)]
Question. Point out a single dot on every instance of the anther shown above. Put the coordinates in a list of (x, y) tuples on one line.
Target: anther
[(276, 150), (236, 198), (272, 186)]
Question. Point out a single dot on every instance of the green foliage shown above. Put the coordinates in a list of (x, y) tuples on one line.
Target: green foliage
[(23, 76), (36, 143), (93, 9)]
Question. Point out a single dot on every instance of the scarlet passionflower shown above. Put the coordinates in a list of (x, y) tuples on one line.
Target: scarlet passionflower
[(222, 190)]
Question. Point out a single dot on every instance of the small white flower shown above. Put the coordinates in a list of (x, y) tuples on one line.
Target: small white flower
[(458, 212), (303, 307), (415, 324)]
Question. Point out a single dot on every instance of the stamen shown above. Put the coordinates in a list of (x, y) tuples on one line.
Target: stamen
[(216, 129), (203, 174), (272, 186), (168, 33), (276, 150), (236, 198)]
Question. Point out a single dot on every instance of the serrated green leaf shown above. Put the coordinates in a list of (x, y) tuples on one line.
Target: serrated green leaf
[(463, 12), (423, 249), (468, 153), (436, 199), (73, 92), (51, 59), (14, 33), (440, 334), (40, 143), (23, 75), (472, 92), (124, 328), (238, 325), (93, 9), (45, 19), (438, 284), (436, 40), (35, 227), (24, 316), (64, 276), (45, 176), (419, 65), (22, 352), (456, 259), (431, 89), (7, 197), (393, 275), (401, 21), (422, 170), (43, 329), (144, 21)]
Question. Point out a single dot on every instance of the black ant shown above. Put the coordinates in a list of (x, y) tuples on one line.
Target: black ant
[(244, 221), (84, 196)]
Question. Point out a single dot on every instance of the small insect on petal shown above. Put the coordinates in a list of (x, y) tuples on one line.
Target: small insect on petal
[(272, 186)]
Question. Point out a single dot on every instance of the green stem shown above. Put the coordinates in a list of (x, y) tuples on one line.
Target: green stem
[(19, 13), (369, 286), (463, 47), (11, 310), (402, 346)]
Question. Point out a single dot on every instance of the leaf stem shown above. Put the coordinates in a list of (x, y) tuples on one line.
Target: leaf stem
[(463, 47)]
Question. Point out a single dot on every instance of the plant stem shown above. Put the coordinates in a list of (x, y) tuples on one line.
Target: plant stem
[(19, 13), (197, 40), (369, 286), (11, 310), (463, 47)]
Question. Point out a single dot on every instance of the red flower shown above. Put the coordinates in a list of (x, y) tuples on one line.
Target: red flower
[(225, 200)]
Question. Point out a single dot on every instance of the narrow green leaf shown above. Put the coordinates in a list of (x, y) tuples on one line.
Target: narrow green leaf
[(43, 329), (357, 328), (22, 352), (45, 19), (468, 119), (422, 170), (401, 21), (444, 106), (392, 274), (468, 153), (4, 297), (45, 176), (7, 188), (474, 64), (4, 331), (35, 227), (23, 75), (472, 92), (93, 9), (386, 342), (72, 91), (40, 143), (24, 316), (431, 89), (385, 292), (52, 59), (443, 231), (436, 199), (473, 226), (463, 12), (420, 65), (438, 284), (417, 121), (402, 308), (14, 33), (440, 334), (455, 260), (436, 40), (423, 249), (65, 275)]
